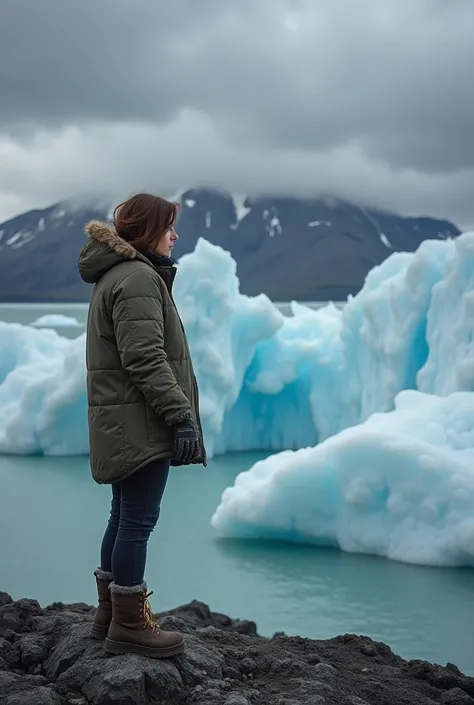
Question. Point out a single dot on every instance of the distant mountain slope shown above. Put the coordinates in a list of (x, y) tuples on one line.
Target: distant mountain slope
[(288, 248)]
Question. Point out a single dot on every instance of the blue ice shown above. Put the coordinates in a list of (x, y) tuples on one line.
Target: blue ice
[(367, 409)]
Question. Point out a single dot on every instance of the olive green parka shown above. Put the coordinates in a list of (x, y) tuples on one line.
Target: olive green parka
[(140, 378)]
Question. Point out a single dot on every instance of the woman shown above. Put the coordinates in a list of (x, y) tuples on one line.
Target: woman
[(143, 407)]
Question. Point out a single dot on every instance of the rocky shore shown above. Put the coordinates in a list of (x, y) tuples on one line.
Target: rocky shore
[(47, 658)]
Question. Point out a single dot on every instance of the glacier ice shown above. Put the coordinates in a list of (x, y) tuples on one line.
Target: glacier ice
[(42, 374), (267, 381), (56, 320), (42, 392), (450, 326), (400, 485), (281, 383)]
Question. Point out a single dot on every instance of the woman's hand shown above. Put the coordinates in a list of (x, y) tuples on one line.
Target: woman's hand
[(187, 446)]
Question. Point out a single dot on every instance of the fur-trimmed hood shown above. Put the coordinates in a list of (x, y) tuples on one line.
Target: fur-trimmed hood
[(103, 250), (105, 233)]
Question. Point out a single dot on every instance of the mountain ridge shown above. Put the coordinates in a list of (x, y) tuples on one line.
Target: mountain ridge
[(306, 249)]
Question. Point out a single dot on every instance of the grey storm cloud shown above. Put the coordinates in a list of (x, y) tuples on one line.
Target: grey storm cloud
[(388, 80)]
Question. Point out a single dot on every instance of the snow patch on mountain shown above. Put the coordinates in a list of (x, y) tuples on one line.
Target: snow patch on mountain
[(241, 210)]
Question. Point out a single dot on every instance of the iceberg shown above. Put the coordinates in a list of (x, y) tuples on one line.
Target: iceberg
[(56, 320), (366, 407), (393, 474), (399, 485), (42, 392), (254, 368), (267, 381)]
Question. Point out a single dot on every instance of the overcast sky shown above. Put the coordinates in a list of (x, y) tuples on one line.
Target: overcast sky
[(372, 100)]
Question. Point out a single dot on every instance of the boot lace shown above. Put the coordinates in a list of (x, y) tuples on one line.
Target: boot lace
[(147, 614)]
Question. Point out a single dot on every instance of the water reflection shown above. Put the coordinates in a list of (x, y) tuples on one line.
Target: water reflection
[(323, 592)]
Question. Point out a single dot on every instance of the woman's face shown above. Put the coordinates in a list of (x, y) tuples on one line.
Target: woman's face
[(165, 245)]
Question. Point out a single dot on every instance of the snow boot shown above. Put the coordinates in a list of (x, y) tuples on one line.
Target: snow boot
[(103, 614), (133, 629)]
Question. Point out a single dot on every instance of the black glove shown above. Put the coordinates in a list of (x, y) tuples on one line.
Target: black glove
[(187, 445)]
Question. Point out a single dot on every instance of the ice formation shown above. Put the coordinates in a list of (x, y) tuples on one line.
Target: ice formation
[(56, 320), (276, 383), (42, 392), (399, 485)]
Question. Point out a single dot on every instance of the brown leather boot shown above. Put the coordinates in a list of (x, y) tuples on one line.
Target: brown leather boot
[(133, 629), (103, 614)]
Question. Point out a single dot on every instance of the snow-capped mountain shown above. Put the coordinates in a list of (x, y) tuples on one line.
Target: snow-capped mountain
[(289, 248)]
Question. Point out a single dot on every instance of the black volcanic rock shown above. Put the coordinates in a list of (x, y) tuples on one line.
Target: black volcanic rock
[(289, 248), (47, 658)]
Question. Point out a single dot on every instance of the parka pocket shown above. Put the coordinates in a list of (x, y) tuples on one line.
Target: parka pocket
[(157, 429)]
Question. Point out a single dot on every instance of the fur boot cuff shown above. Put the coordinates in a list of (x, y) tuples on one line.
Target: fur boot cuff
[(127, 590)]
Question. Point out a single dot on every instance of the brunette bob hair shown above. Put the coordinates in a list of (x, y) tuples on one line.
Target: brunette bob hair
[(143, 219)]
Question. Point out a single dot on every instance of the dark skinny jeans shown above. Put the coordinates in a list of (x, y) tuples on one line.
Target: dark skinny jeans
[(134, 513)]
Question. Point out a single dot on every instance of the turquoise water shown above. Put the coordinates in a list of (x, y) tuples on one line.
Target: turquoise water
[(51, 520), (28, 313), (52, 517)]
